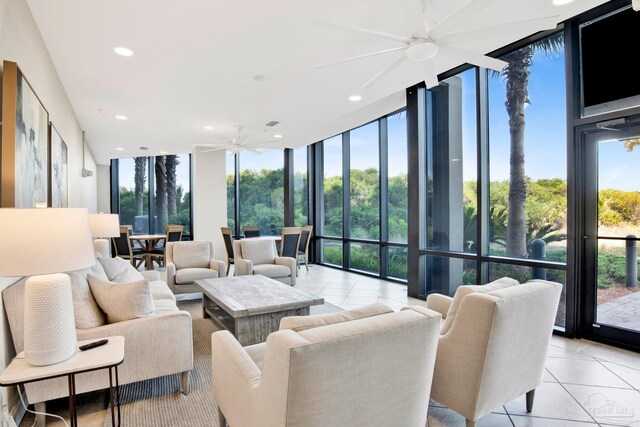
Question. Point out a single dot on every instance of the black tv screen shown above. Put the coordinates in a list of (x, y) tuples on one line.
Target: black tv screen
[(610, 48)]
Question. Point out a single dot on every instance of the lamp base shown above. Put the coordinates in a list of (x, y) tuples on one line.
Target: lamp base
[(102, 248), (49, 324)]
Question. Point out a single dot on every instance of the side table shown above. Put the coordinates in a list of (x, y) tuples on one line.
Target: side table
[(108, 356)]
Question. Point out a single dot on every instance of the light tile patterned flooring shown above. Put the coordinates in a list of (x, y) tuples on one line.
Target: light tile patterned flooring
[(584, 384)]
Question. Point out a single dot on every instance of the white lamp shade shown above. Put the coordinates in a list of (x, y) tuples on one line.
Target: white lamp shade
[(104, 225), (44, 241)]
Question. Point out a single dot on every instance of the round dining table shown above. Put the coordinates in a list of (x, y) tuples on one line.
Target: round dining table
[(148, 242)]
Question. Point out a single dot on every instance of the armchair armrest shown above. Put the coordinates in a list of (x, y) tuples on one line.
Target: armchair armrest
[(243, 267), (151, 275), (235, 377), (291, 263), (219, 266), (439, 303), (171, 276)]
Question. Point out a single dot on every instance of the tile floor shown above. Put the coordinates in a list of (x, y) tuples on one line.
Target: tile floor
[(584, 384)]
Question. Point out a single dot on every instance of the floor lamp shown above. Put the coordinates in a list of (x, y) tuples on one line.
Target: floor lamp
[(104, 226), (41, 243)]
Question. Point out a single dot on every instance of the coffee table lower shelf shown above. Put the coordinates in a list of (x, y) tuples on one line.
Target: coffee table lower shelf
[(248, 330)]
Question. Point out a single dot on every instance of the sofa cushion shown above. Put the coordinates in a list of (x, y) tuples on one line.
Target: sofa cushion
[(462, 291), (160, 290), (122, 301), (301, 323), (120, 270), (165, 306), (186, 276), (86, 312), (272, 270), (191, 255), (259, 251)]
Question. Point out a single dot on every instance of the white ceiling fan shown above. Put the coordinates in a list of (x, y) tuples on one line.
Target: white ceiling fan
[(234, 145), (426, 42)]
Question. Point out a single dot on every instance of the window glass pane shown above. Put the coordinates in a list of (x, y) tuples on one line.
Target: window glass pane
[(262, 190), (231, 194), (397, 180), (452, 166), (445, 275), (300, 187), (527, 130), (523, 274), (397, 266), (172, 197), (332, 197), (365, 182), (331, 251), (365, 257), (134, 193)]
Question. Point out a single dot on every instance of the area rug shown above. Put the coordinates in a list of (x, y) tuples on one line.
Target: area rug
[(158, 402)]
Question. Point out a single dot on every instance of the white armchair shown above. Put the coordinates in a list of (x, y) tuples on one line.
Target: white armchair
[(493, 344), (369, 368), (189, 261), (258, 256)]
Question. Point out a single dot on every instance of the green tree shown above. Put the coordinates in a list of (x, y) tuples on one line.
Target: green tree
[(161, 192), (140, 177), (171, 162)]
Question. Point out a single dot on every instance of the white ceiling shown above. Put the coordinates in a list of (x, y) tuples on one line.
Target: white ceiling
[(195, 60)]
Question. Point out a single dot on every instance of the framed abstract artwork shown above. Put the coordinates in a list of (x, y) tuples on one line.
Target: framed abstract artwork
[(24, 154), (59, 170)]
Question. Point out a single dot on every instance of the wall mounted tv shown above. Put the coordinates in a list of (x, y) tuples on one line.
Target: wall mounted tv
[(609, 50)]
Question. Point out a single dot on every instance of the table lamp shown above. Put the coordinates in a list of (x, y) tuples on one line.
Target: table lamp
[(41, 243), (104, 225)]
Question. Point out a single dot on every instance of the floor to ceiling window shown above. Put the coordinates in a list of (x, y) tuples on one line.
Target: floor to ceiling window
[(397, 226), (300, 187), (169, 203), (332, 215), (262, 190), (231, 193)]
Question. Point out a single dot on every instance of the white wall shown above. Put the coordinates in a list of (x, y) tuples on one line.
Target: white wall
[(210, 198), (20, 42)]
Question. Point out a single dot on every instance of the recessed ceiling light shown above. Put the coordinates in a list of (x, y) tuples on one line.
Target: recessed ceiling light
[(260, 77), (355, 98), (208, 128), (123, 51), (164, 152), (119, 149), (121, 117), (561, 2), (277, 136)]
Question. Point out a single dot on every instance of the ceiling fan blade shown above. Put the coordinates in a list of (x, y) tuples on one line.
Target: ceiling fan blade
[(471, 57), (253, 150), (414, 11), (384, 71), (362, 30), (430, 74), (213, 149), (463, 14), (366, 55), (528, 26)]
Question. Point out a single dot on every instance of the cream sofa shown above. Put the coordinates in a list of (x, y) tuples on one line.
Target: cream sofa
[(147, 354), (364, 367)]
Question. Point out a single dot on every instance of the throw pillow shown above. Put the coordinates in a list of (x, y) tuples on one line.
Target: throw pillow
[(122, 301), (120, 270), (86, 312)]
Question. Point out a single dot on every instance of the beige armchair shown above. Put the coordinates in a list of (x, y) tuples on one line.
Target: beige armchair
[(190, 261), (258, 256), (369, 367), (493, 344)]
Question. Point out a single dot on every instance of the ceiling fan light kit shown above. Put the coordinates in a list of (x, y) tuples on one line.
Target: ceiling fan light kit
[(421, 50)]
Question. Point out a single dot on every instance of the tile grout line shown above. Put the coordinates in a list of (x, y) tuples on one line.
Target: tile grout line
[(576, 400), (623, 380)]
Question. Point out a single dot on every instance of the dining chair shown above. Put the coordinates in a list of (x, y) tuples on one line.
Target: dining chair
[(173, 233), (290, 241), (228, 244), (303, 247), (251, 231), (123, 248)]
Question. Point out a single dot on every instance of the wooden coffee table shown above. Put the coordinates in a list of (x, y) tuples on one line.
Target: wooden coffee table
[(251, 307)]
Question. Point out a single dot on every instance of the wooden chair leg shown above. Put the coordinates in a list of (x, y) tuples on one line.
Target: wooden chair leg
[(530, 396), (470, 423)]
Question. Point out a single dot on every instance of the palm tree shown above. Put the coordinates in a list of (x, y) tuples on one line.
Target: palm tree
[(140, 176), (171, 162), (161, 193), (517, 73)]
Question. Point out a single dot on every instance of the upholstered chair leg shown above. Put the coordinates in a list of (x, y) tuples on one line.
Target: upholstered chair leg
[(530, 396), (186, 379), (470, 423), (41, 419), (221, 419)]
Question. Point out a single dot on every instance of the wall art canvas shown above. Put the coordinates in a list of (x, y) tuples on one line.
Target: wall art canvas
[(59, 170), (25, 140)]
